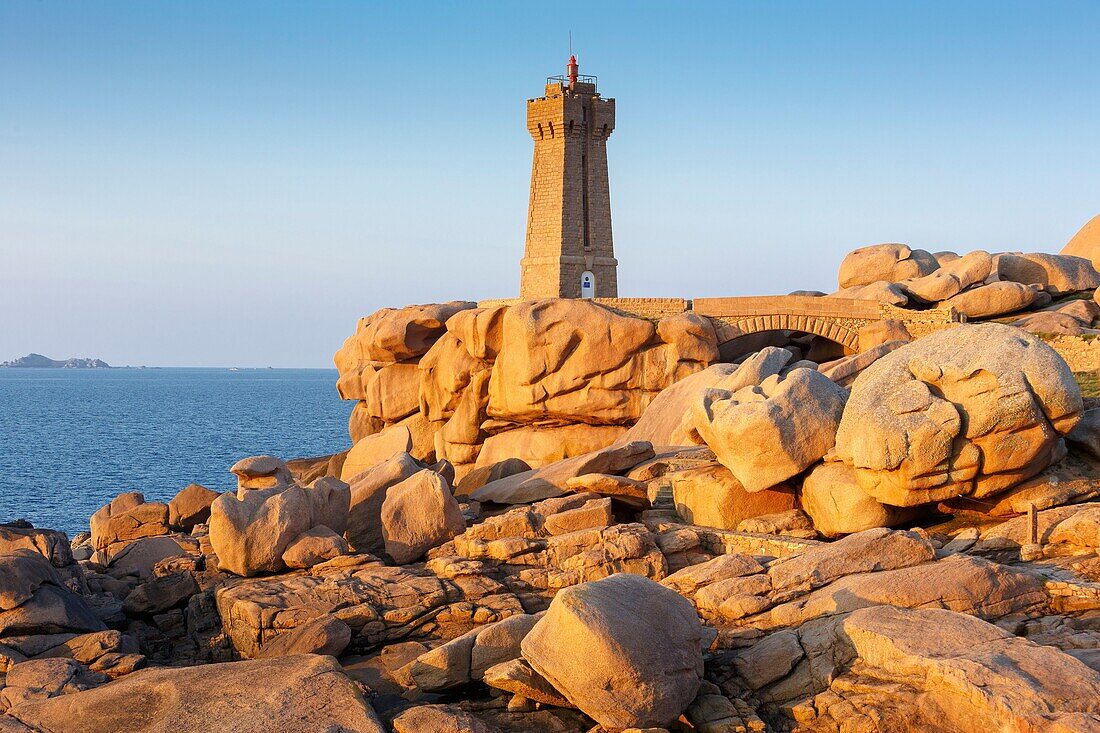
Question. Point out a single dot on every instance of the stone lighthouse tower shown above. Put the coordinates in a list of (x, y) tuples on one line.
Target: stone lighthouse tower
[(569, 252)]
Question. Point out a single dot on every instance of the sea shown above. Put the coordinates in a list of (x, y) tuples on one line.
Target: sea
[(72, 439)]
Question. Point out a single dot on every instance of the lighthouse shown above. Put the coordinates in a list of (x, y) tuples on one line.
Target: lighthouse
[(569, 251)]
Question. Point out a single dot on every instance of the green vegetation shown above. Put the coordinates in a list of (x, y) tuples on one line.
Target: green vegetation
[(1089, 382)]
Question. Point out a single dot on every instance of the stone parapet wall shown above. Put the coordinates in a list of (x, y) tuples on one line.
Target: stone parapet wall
[(727, 541), (922, 323), (1082, 353), (807, 305), (497, 302), (651, 309)]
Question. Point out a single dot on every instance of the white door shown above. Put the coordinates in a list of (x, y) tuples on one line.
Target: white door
[(588, 285)]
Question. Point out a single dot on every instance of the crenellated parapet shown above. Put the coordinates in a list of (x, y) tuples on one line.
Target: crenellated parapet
[(566, 111)]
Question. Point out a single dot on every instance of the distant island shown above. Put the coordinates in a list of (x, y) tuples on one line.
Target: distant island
[(37, 361)]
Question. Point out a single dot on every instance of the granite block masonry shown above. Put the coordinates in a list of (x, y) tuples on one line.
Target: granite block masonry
[(569, 252)]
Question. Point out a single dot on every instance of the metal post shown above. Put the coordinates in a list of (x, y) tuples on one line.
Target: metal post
[(1033, 524)]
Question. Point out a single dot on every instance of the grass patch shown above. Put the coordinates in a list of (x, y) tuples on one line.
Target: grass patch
[(1089, 383)]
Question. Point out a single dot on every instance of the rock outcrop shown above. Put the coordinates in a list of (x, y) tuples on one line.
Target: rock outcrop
[(294, 694), (555, 515), (573, 361), (769, 433), (937, 670), (418, 514), (950, 279), (260, 472), (970, 411), (251, 531), (993, 299), (537, 446), (884, 263), (1057, 273), (1086, 243), (633, 658), (832, 496), (50, 544), (313, 547), (380, 604), (711, 496), (372, 450), (191, 506), (128, 517), (35, 599), (520, 381), (553, 480), (368, 493)]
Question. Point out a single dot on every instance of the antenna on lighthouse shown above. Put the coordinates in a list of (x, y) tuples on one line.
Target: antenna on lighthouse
[(571, 68)]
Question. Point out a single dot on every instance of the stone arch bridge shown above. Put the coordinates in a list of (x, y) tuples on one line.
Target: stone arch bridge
[(836, 319)]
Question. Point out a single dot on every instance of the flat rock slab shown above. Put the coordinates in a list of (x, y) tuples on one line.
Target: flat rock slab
[(552, 480), (379, 603), (298, 694), (977, 676), (960, 583), (870, 550)]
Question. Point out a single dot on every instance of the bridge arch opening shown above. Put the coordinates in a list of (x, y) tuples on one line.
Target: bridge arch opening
[(810, 346), (833, 321)]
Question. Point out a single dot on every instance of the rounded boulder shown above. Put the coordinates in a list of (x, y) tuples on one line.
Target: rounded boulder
[(625, 650), (884, 262), (969, 411), (418, 514)]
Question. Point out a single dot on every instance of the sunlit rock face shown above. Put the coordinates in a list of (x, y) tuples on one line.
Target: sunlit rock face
[(969, 411)]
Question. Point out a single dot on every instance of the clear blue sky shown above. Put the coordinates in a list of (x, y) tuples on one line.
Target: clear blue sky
[(227, 183)]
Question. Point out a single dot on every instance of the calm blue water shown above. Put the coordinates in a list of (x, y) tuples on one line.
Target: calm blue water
[(72, 439)]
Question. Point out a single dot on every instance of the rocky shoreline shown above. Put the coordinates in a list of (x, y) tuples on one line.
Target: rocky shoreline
[(557, 516)]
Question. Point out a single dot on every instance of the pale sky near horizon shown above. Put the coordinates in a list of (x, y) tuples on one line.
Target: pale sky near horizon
[(235, 183)]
